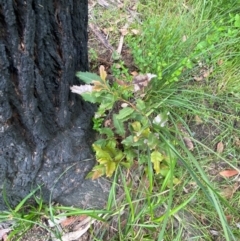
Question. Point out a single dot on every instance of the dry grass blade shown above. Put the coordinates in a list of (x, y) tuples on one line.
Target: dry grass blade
[(100, 36)]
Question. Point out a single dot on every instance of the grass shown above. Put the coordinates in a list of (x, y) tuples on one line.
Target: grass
[(192, 47)]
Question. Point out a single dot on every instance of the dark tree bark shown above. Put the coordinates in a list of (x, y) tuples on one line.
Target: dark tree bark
[(44, 129)]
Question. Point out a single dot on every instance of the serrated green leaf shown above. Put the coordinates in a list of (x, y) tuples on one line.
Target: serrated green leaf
[(126, 164), (118, 124), (156, 158), (106, 131), (128, 141), (140, 104), (110, 168), (101, 154), (111, 145), (111, 149), (125, 112), (130, 155), (153, 141), (88, 96), (106, 104), (119, 156), (88, 77)]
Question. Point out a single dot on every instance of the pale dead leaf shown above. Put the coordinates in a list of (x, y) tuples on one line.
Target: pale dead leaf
[(121, 82), (207, 72), (220, 62), (198, 120), (120, 45), (120, 5), (56, 221), (107, 122), (196, 78), (4, 232), (229, 173), (229, 191), (142, 81), (184, 38), (220, 147), (135, 31), (118, 66), (103, 3), (124, 105), (123, 31), (82, 229), (237, 142), (134, 73), (189, 144), (105, 31)]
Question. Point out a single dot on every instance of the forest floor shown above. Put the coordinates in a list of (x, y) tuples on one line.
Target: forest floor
[(211, 135)]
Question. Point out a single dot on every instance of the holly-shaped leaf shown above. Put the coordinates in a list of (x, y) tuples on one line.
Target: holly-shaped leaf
[(156, 158), (87, 77), (125, 112), (110, 168), (118, 124), (89, 96), (140, 104), (102, 155), (128, 141)]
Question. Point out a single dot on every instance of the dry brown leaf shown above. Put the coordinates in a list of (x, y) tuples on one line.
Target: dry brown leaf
[(220, 147), (229, 173), (229, 218), (69, 221), (134, 73), (229, 191), (189, 144)]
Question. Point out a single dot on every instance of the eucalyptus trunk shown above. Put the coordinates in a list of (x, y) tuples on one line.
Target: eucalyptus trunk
[(44, 129)]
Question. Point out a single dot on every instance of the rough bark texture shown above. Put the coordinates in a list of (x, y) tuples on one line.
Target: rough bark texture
[(44, 129)]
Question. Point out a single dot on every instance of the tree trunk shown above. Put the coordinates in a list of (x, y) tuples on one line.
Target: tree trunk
[(44, 129)]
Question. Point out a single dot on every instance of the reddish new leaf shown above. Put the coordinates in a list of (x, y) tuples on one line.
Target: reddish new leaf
[(229, 173)]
